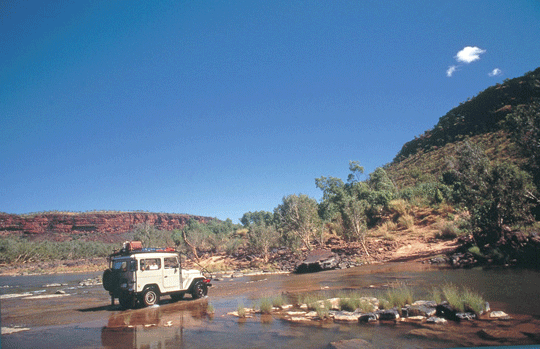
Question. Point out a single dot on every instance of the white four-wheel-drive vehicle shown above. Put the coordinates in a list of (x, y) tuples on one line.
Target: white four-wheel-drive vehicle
[(143, 275)]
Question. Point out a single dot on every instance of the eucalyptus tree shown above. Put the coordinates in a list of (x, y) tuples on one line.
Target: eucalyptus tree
[(298, 220)]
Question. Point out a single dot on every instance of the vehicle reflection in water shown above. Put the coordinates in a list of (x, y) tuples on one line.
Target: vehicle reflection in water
[(154, 327)]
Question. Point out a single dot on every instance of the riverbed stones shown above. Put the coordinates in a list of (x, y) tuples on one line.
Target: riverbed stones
[(436, 320), (501, 315), (466, 316), (369, 317), (346, 316)]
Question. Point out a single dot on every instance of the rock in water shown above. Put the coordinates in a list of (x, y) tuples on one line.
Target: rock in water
[(318, 260), (447, 312)]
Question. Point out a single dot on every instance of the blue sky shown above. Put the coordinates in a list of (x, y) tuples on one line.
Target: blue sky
[(217, 108)]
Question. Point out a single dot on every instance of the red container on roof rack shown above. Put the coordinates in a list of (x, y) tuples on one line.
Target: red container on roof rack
[(133, 245)]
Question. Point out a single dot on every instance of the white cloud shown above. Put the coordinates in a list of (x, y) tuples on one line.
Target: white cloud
[(451, 70), (469, 54), (495, 72)]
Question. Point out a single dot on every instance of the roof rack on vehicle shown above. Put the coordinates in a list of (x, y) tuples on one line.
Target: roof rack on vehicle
[(136, 246)]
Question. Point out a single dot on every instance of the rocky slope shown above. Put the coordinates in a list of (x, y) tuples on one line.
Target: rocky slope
[(91, 226)]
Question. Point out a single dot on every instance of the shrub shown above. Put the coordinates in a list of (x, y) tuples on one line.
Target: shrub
[(265, 305), (406, 221), (399, 207), (448, 231)]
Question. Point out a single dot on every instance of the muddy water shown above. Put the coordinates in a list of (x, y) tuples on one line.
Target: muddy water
[(84, 319)]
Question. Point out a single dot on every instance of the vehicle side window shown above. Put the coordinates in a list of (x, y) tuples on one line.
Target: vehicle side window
[(151, 264), (170, 262)]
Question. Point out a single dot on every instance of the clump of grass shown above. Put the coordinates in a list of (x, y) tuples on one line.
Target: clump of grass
[(473, 301), (406, 221), (241, 310), (310, 299), (210, 309), (365, 306), (436, 295), (389, 226), (349, 303), (399, 295), (265, 305), (463, 300), (384, 304), (278, 301), (451, 294), (323, 311)]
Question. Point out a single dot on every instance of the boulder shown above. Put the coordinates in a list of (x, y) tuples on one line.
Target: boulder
[(346, 316), (390, 314), (317, 260), (447, 312), (422, 310), (369, 317)]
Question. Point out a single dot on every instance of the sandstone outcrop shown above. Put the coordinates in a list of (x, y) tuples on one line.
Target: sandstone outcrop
[(94, 225)]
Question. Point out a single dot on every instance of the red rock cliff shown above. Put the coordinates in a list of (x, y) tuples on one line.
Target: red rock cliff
[(94, 226)]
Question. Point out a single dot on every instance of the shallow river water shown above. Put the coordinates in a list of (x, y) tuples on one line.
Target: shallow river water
[(185, 325)]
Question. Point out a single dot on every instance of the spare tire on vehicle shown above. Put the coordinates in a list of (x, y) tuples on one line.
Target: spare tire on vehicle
[(109, 280)]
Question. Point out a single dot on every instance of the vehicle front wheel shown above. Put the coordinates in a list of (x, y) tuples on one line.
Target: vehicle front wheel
[(199, 290), (150, 297)]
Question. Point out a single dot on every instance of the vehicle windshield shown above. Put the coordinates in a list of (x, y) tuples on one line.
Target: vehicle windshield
[(124, 264)]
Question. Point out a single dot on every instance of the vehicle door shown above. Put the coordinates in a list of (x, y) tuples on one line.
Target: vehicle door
[(151, 272), (172, 277)]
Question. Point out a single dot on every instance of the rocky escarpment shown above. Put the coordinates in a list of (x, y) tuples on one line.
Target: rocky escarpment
[(93, 226)]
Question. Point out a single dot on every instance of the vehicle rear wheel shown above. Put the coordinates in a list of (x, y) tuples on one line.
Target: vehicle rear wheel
[(177, 296), (150, 297), (199, 290), (127, 301)]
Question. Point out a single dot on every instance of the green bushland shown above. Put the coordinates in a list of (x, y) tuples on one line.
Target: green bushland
[(20, 250)]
